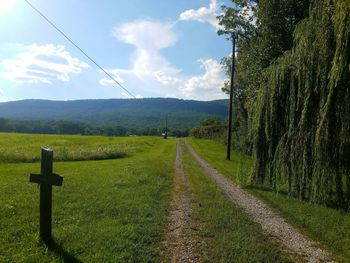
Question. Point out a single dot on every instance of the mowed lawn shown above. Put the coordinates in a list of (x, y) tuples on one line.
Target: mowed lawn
[(329, 226), (110, 210)]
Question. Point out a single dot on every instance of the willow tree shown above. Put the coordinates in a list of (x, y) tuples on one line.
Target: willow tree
[(302, 117), (293, 81)]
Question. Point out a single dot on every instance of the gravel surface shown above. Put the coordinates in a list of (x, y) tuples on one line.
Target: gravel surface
[(179, 244), (272, 224)]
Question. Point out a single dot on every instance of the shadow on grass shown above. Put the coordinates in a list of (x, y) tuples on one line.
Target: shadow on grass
[(259, 191), (266, 189), (59, 251)]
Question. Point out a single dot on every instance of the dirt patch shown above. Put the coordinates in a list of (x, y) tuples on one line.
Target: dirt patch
[(271, 223), (179, 243)]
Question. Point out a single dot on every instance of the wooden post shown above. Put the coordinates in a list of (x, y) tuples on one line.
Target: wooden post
[(46, 179), (46, 195)]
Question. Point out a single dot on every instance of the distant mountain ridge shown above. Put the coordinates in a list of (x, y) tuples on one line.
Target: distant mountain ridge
[(130, 113)]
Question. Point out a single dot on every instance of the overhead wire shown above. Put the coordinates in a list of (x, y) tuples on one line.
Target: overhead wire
[(82, 51)]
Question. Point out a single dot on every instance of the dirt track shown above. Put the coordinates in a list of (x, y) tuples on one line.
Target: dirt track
[(272, 224), (179, 243)]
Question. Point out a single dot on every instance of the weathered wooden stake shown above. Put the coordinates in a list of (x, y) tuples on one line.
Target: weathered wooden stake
[(46, 195), (46, 179)]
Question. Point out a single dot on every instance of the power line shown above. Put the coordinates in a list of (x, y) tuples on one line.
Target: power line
[(82, 51)]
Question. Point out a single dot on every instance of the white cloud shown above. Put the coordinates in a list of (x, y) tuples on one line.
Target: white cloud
[(165, 79), (138, 96), (203, 14), (41, 64), (209, 14), (148, 37), (208, 85), (143, 33), (153, 74), (2, 96), (108, 81), (149, 67)]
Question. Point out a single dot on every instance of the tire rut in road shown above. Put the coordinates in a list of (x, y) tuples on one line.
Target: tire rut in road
[(179, 245)]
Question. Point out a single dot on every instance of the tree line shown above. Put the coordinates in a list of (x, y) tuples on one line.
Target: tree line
[(73, 127), (292, 94)]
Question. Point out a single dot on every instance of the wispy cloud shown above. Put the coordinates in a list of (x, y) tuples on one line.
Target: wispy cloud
[(41, 64), (203, 14), (109, 82), (142, 34), (2, 96), (138, 96), (150, 70), (149, 38), (207, 85), (153, 73)]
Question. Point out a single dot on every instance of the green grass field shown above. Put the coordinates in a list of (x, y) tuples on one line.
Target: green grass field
[(113, 207), (329, 226), (106, 211), (114, 210)]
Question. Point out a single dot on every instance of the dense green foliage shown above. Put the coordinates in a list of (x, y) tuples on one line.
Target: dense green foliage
[(292, 95), (114, 116), (106, 211), (324, 224), (262, 38), (303, 129), (74, 127), (209, 132), (210, 128)]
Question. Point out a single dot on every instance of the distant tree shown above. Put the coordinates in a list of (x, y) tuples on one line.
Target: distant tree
[(211, 120), (5, 125)]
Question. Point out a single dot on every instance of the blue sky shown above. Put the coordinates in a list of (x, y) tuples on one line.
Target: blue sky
[(155, 48)]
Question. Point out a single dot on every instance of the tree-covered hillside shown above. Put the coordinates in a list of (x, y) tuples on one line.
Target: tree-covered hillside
[(137, 114)]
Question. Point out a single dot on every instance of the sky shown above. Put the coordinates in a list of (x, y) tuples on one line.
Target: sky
[(154, 48)]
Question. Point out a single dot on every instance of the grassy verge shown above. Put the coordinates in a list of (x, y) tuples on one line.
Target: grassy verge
[(326, 225), (106, 211), (238, 169), (228, 234), (329, 226)]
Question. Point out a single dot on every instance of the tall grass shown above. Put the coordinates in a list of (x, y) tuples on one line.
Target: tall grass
[(16, 148)]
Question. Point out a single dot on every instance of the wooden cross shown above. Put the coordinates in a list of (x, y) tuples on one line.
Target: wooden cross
[(46, 179)]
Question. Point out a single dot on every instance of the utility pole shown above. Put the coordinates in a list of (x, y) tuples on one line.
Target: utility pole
[(229, 132)]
